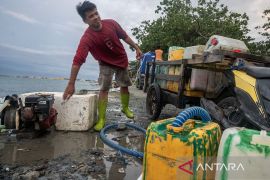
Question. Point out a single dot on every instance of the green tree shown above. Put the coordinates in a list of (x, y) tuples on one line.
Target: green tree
[(182, 24)]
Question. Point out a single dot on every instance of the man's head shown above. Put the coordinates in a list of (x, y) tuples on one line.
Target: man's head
[(88, 12)]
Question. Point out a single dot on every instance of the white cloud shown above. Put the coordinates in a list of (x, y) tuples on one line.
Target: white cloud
[(254, 10), (78, 26), (19, 16), (60, 28), (54, 52)]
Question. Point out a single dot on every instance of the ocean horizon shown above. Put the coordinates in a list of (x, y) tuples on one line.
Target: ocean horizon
[(20, 85)]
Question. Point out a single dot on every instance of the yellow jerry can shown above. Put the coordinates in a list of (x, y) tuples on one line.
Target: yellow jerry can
[(176, 152), (175, 86), (170, 85), (171, 70), (177, 70), (175, 53)]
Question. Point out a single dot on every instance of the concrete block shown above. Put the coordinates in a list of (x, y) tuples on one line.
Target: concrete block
[(79, 113)]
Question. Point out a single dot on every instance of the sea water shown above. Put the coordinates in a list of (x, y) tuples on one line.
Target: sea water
[(19, 85)]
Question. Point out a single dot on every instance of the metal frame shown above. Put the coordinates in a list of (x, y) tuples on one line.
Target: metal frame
[(218, 60)]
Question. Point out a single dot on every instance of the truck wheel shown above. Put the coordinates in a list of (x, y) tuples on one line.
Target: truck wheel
[(232, 112), (140, 86), (153, 101), (144, 88), (137, 83), (145, 85)]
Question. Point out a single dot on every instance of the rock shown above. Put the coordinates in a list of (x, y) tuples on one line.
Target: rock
[(83, 169), (55, 176), (82, 92), (91, 163), (32, 175), (42, 173), (90, 178), (99, 158), (16, 176), (39, 168), (91, 169), (101, 177), (99, 169), (121, 127), (95, 152), (121, 170)]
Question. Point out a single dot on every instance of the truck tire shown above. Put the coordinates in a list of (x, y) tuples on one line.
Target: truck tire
[(153, 101)]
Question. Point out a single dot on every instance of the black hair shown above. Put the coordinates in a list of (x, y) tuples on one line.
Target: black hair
[(85, 6)]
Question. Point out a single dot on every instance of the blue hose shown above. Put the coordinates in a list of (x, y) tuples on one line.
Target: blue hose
[(189, 113), (179, 121), (117, 146)]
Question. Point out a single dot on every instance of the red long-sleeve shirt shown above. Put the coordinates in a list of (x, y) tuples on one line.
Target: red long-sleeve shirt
[(104, 45)]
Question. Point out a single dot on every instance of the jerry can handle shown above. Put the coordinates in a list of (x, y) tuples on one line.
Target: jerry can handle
[(261, 139), (187, 114), (190, 124)]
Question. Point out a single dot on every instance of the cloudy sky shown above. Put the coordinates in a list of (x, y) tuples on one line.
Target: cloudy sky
[(40, 37)]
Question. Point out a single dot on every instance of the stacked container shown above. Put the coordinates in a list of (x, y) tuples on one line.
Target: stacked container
[(162, 69), (175, 53), (174, 85), (170, 83), (189, 51)]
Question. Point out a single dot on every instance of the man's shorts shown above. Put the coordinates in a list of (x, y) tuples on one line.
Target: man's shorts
[(106, 75)]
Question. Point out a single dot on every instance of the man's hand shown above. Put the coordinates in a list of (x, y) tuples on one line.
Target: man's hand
[(139, 54), (70, 89)]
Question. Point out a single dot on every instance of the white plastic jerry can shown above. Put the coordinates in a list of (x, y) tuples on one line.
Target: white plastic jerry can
[(243, 154), (225, 43), (189, 51)]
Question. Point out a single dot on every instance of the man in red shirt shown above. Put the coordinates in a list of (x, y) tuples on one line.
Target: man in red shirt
[(102, 40)]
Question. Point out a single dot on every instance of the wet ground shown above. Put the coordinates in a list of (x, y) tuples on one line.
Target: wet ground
[(80, 155)]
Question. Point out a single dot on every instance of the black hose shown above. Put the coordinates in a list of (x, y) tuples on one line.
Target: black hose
[(113, 145)]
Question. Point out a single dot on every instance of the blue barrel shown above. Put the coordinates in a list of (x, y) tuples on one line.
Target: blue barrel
[(147, 57)]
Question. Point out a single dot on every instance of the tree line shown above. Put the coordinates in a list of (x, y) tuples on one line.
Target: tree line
[(183, 24)]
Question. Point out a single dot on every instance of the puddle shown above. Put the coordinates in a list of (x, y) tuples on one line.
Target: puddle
[(77, 146)]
